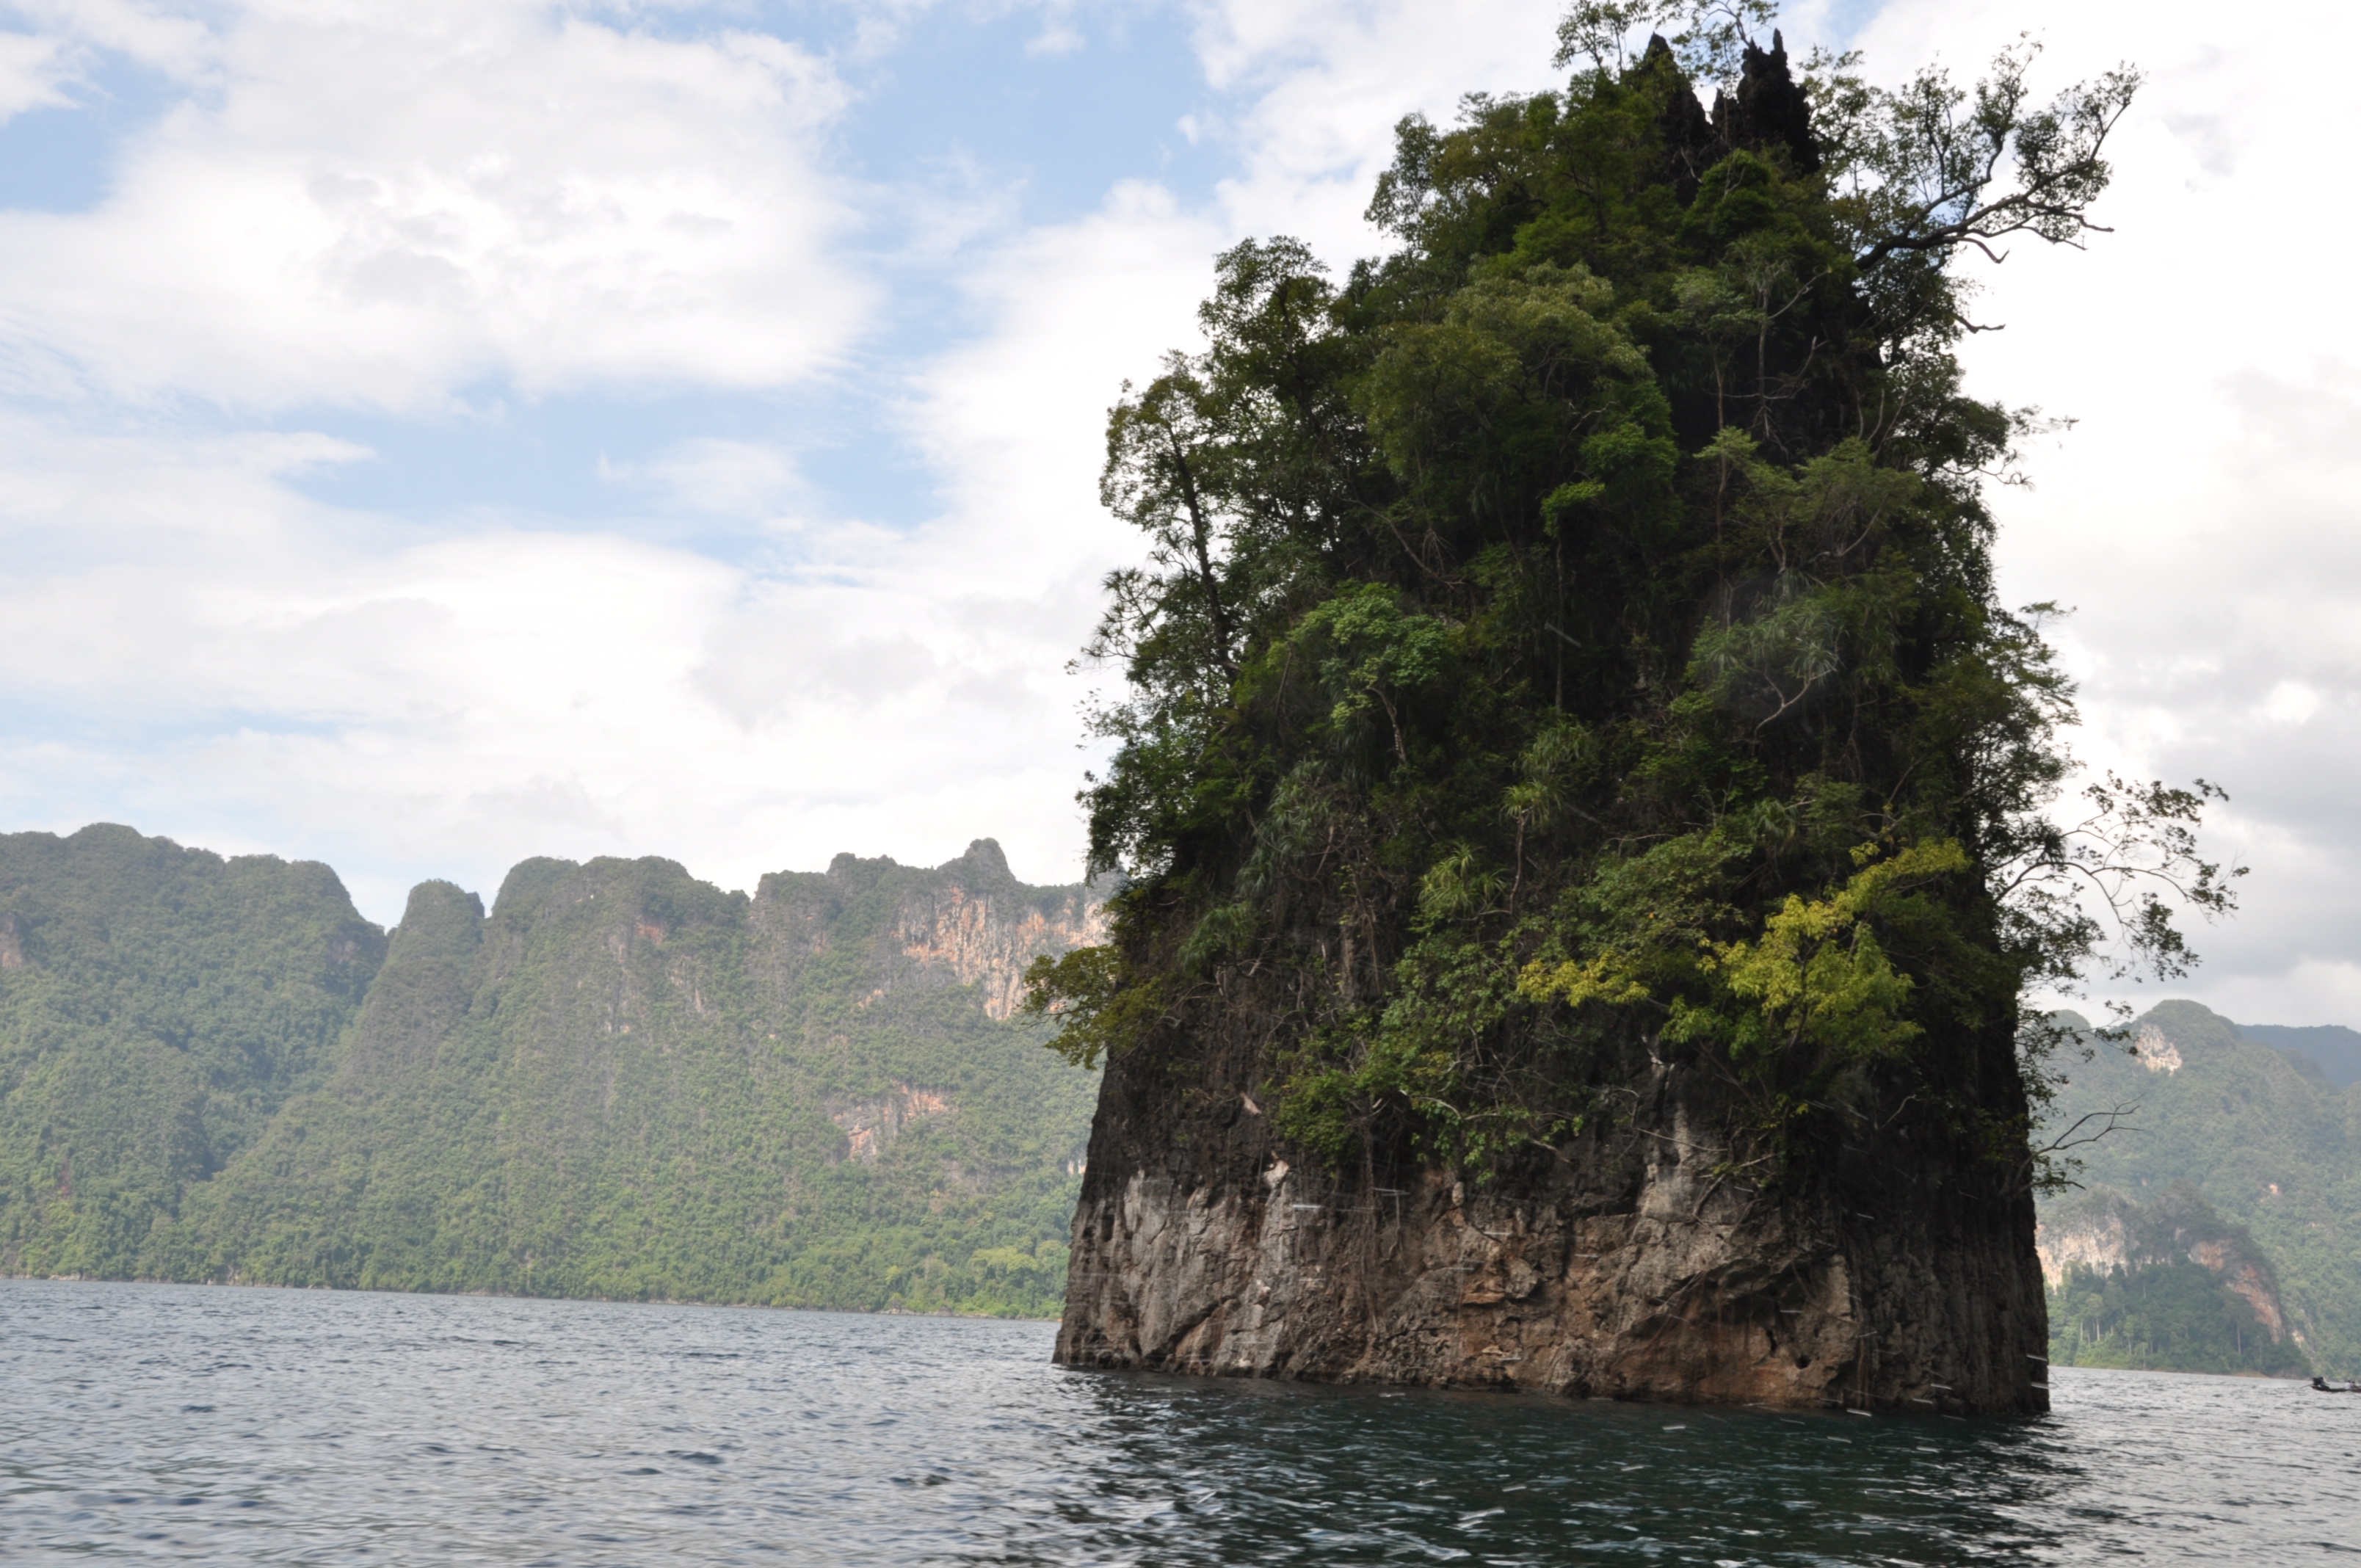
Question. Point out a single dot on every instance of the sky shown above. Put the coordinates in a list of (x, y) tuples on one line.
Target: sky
[(436, 433)]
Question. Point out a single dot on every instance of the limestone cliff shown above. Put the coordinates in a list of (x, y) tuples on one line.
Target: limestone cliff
[(981, 930), (968, 922), (1629, 1263), (1573, 945), (2104, 1230)]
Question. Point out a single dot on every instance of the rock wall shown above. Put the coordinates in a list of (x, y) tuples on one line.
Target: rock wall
[(986, 941), (873, 1127), (966, 922), (1631, 1265), (2105, 1230)]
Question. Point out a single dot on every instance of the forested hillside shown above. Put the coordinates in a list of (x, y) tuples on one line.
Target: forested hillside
[(622, 1082), (2228, 1199), (2332, 1048), (158, 1006)]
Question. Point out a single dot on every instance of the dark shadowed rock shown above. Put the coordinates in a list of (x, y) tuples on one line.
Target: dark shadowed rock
[(1769, 109)]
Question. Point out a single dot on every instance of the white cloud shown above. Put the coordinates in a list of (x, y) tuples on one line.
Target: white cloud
[(729, 478), (1057, 37), (2290, 702), (1327, 83), (382, 204), (282, 674), (401, 702), (1016, 422), (33, 73)]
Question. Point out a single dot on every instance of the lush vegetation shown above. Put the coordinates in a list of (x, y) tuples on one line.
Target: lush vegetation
[(2169, 1316), (2265, 1138), (2332, 1048), (624, 1084), (158, 1006), (1577, 627), (2189, 1292)]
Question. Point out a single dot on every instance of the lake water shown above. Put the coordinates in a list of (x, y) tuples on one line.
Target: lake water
[(188, 1424)]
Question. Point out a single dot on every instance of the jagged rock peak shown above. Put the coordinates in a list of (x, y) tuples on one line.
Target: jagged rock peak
[(983, 859), (1769, 108), (1691, 145)]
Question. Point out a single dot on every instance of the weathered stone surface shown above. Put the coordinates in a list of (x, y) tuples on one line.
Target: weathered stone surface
[(1632, 1266)]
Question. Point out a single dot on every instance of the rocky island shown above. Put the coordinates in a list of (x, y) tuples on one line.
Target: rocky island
[(1584, 800)]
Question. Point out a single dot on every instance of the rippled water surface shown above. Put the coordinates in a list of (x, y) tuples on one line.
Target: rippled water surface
[(191, 1424)]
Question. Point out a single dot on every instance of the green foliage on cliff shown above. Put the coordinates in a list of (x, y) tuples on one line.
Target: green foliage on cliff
[(2269, 1144), (623, 1083), (1578, 624)]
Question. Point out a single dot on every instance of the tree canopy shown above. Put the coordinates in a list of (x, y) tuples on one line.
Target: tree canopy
[(1579, 623)]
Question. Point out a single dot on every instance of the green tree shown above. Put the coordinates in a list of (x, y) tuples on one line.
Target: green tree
[(1577, 627)]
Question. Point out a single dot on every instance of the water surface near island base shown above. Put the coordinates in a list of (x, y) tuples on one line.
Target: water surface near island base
[(188, 1424)]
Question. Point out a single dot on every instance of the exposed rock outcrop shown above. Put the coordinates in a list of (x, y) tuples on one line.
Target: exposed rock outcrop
[(1766, 112), (2106, 1230), (873, 1127), (983, 929), (2153, 1050), (966, 922), (1634, 1265)]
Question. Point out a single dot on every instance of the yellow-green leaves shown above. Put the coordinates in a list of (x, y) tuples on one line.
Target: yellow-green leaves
[(1816, 976), (1814, 979), (1613, 978)]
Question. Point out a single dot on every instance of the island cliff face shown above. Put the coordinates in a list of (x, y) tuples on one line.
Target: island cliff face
[(1628, 1268), (1586, 797)]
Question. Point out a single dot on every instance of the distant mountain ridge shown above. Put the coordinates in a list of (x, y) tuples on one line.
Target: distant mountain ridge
[(2242, 1161), (620, 1082), (2332, 1048)]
